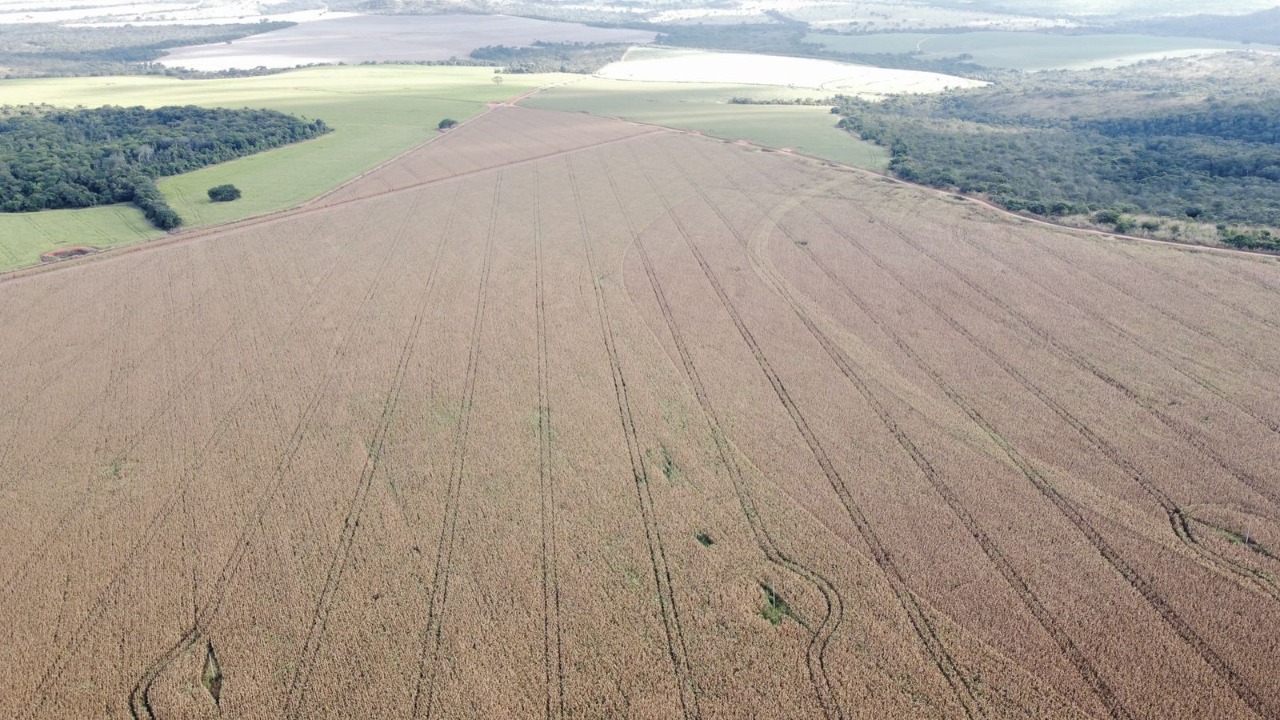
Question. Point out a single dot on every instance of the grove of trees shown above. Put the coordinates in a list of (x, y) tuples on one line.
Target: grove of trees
[(1140, 141), (52, 158), (568, 57)]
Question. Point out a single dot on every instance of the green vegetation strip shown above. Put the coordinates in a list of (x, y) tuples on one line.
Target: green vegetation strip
[(706, 108), (376, 113)]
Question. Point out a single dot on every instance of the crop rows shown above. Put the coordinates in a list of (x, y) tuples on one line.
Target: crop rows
[(566, 417)]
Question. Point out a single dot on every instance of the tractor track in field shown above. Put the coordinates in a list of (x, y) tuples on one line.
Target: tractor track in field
[(139, 695), (1239, 686), (69, 515), (311, 207), (1079, 660), (677, 649), (553, 657), (120, 455), (150, 532), (15, 352), (433, 631), (917, 616), (1189, 435), (138, 702), (1252, 279), (1178, 518), (552, 642), (51, 377), (299, 684), (1269, 423), (1207, 296), (820, 636)]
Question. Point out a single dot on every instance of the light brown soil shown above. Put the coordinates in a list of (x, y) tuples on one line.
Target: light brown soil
[(443, 445), (67, 253)]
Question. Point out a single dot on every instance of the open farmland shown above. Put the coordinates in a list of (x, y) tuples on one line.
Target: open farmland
[(569, 417), (1028, 50), (707, 108), (381, 38), (667, 65), (376, 112)]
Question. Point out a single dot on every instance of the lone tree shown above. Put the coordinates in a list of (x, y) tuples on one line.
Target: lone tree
[(447, 123), (224, 193)]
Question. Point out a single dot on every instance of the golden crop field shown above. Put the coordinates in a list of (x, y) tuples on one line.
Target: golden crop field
[(568, 417)]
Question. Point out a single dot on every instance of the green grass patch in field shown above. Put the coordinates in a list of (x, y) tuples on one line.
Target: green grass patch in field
[(705, 108), (1025, 50), (24, 237), (775, 609), (377, 112)]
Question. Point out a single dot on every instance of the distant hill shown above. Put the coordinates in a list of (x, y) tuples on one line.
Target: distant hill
[(1259, 27)]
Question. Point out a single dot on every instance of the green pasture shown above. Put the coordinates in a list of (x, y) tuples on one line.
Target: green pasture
[(377, 112), (806, 129), (1025, 50), (25, 236)]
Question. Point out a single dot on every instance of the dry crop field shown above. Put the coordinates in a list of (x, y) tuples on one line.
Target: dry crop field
[(574, 418)]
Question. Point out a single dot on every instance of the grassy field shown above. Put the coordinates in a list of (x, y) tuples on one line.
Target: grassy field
[(377, 112), (1027, 51), (26, 236), (705, 108)]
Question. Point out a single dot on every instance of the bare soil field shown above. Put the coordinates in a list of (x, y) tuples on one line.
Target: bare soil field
[(566, 417), (384, 38)]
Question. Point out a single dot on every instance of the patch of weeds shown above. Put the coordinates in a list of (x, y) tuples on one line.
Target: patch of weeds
[(668, 464), (539, 418), (663, 459), (705, 539), (117, 469), (776, 608), (674, 415), (978, 685), (1239, 538), (211, 676), (633, 579)]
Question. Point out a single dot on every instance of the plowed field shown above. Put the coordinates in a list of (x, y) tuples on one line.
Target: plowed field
[(568, 417)]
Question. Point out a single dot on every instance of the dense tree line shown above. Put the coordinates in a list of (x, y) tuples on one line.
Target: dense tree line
[(811, 101), (1070, 143), (79, 158), (568, 57), (1260, 27)]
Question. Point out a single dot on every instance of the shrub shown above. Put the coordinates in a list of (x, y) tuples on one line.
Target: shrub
[(224, 193), (446, 123)]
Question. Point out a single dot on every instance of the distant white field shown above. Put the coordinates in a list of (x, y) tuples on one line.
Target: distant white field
[(144, 12), (702, 66)]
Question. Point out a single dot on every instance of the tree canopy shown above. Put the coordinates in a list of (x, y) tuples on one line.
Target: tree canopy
[(1145, 139), (52, 158)]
